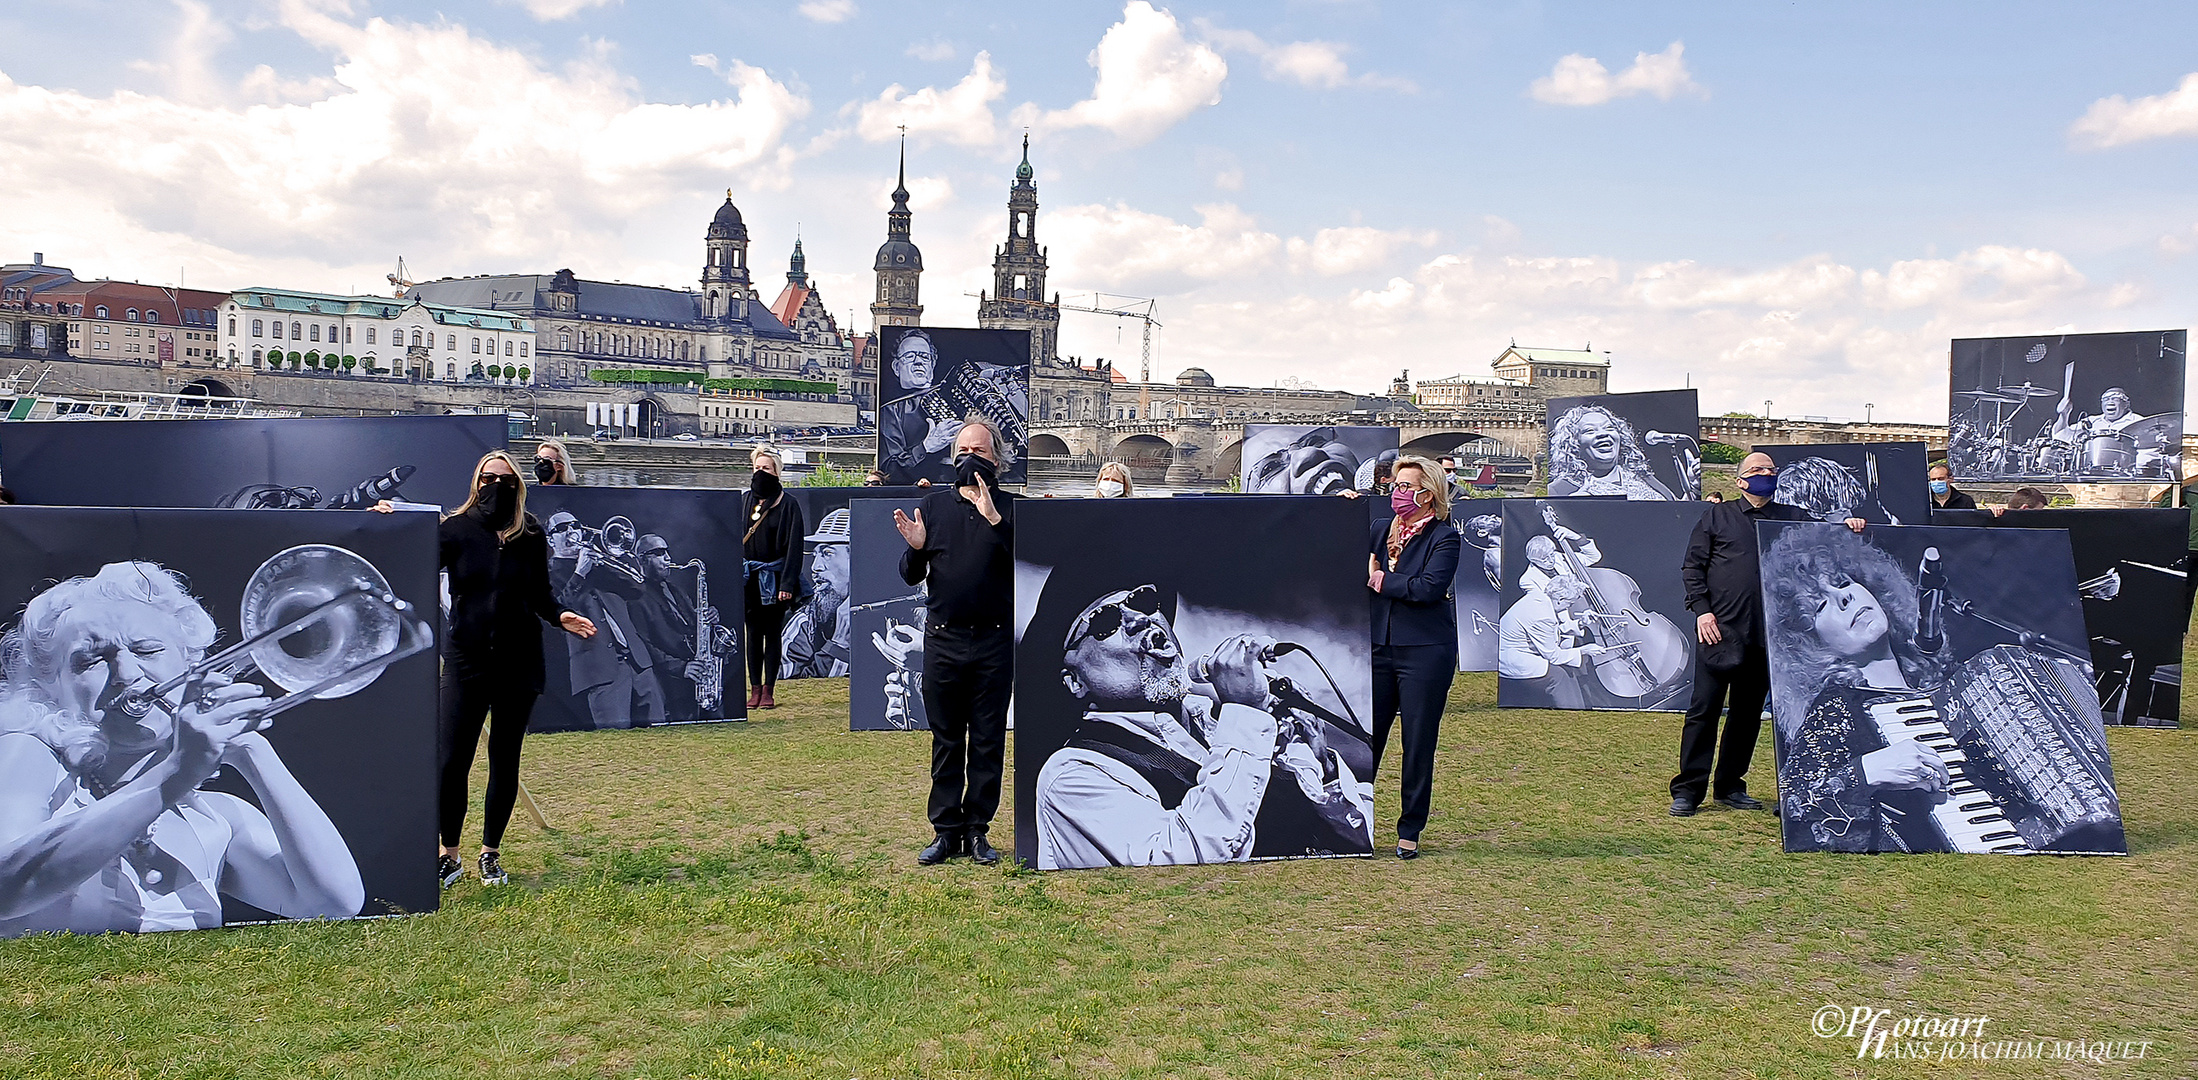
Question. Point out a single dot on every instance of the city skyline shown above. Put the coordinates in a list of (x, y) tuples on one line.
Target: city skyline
[(1799, 207)]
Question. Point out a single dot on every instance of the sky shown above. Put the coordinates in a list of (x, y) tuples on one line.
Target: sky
[(1797, 204)]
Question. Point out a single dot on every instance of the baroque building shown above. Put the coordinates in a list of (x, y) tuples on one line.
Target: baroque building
[(899, 264), (1017, 300)]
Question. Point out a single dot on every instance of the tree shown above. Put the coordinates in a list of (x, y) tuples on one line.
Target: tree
[(510, 372), (349, 363), (526, 374), (1717, 453), (296, 361), (313, 359)]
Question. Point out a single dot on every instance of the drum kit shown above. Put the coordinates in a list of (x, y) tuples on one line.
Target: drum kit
[(2147, 449)]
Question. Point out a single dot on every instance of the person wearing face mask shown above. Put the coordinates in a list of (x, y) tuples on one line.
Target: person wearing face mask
[(1944, 495), (961, 544), (1411, 562), (772, 547), (498, 561), (553, 464), (1114, 481), (1732, 673)]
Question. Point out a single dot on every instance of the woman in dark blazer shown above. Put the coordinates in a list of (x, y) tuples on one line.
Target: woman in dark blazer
[(771, 545), (1412, 560)]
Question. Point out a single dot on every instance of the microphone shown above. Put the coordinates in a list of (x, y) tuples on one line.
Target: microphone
[(1931, 600), (1202, 668), (1662, 438)]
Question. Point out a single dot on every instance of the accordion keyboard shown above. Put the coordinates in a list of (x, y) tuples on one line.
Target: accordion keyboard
[(1970, 818)]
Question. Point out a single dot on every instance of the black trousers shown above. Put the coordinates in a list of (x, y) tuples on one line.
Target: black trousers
[(1739, 692), (1413, 680), (766, 619), (968, 675), (466, 704)]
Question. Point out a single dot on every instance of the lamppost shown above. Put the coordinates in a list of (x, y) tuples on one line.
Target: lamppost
[(1866, 408), (1766, 409)]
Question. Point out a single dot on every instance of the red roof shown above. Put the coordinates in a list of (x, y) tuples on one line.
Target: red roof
[(789, 302)]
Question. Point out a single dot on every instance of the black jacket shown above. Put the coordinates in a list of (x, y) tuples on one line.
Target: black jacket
[(1721, 569), (1956, 499), (499, 597), (1414, 605), (969, 563), (777, 540)]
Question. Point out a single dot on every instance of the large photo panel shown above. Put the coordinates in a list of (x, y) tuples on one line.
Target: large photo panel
[(1478, 592), (817, 645), (933, 378), (885, 674), (659, 570), (1191, 703), (2068, 408), (2132, 568), (1315, 459), (137, 648), (290, 463), (1594, 615), (1932, 691), (1884, 483), (1642, 446)]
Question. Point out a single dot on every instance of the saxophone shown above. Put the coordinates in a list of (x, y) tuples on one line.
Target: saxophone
[(710, 679), (996, 392)]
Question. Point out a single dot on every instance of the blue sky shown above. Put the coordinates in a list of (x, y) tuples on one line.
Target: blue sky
[(1799, 203)]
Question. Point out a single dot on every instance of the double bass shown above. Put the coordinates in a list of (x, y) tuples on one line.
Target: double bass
[(1645, 650)]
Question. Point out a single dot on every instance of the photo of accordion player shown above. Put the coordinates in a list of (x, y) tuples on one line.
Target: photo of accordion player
[(916, 432)]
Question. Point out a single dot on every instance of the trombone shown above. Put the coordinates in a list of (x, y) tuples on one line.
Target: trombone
[(319, 621)]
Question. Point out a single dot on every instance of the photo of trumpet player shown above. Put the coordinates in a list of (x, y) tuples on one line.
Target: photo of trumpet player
[(292, 463), (208, 719), (658, 570), (932, 381)]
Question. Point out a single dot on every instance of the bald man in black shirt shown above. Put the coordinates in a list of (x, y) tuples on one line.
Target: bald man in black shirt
[(962, 542)]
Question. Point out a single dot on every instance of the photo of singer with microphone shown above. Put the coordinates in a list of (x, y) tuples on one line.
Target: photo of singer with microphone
[(1642, 446), (1196, 704)]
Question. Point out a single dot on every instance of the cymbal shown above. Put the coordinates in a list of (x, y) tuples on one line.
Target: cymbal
[(2027, 390), (1986, 395), (2155, 432)]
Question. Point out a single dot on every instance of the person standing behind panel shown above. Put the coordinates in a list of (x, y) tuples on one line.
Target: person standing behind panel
[(961, 545), (772, 547), (1725, 594), (553, 464), (1412, 560), (1944, 495), (1114, 482)]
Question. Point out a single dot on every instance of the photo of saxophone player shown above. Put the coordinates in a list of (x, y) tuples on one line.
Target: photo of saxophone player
[(688, 636)]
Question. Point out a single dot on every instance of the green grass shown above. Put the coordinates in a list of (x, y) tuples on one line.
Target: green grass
[(740, 901)]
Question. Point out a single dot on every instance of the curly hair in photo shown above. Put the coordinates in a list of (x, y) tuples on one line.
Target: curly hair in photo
[(1801, 567), (1568, 465), (1821, 486)]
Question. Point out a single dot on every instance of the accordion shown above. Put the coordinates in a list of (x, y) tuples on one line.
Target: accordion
[(996, 392)]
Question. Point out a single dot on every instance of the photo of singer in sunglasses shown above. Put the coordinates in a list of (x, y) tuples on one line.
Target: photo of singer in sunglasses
[(1192, 703)]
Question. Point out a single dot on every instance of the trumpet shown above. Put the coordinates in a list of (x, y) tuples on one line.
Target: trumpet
[(319, 622)]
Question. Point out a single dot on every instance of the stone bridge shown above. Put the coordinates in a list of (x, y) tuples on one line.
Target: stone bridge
[(1197, 449)]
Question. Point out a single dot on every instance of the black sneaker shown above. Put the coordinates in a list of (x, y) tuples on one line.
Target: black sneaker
[(449, 869), (492, 869), (1740, 800)]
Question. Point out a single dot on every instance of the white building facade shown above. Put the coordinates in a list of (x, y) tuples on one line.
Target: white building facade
[(374, 336)]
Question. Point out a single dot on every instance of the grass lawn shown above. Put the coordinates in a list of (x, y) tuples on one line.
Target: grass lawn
[(741, 901)]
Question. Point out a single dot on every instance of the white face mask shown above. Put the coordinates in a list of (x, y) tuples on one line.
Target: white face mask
[(1110, 489)]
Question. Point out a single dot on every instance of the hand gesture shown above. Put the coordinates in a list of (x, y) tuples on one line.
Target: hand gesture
[(577, 625), (1238, 677), (899, 642), (1706, 631), (911, 529), (212, 726), (942, 432), (1905, 764), (980, 497)]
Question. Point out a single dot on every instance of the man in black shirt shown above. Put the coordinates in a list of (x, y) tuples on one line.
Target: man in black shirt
[(1944, 495), (962, 541), (1730, 667)]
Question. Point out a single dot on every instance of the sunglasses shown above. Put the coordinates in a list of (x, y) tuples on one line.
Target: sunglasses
[(1105, 621)]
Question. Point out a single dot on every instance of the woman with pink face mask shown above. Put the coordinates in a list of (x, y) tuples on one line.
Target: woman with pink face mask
[(1411, 561)]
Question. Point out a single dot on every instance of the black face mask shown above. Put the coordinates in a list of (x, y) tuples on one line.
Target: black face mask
[(498, 500), (545, 470), (971, 470), (765, 484)]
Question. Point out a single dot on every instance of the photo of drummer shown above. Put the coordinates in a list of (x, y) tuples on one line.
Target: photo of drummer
[(2088, 408)]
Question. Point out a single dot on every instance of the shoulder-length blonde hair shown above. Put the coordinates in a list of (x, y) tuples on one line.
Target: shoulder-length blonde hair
[(519, 505), (564, 458), (1433, 480), (1118, 471)]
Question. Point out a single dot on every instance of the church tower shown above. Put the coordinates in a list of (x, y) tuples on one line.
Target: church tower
[(797, 268), (899, 265), (725, 269), (1018, 297)]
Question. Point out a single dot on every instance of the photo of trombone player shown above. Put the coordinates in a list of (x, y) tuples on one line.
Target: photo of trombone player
[(114, 719), (596, 573)]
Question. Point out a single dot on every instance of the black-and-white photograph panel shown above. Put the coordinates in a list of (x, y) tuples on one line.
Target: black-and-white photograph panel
[(817, 644), (659, 572), (1315, 459), (2068, 408), (1932, 691), (933, 379), (291, 463), (1642, 446), (1594, 615), (2132, 569), (210, 718), (1191, 702), (885, 676), (1885, 483), (1479, 589)]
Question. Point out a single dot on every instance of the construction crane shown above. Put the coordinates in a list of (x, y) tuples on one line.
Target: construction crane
[(402, 279), (1127, 307)]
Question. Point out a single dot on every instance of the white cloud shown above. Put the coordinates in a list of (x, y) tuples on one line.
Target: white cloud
[(1133, 250), (187, 71), (422, 135), (934, 50), (1351, 249), (557, 10), (1317, 64), (960, 114), (1583, 80), (1150, 78), (2118, 121), (827, 11)]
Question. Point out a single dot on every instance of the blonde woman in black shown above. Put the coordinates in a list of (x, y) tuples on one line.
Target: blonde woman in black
[(771, 544)]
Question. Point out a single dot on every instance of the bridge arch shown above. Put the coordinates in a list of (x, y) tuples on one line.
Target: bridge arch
[(1147, 456), (1043, 445), (206, 387), (1229, 461)]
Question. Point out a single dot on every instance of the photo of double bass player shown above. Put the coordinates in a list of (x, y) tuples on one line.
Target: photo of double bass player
[(1594, 616)]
